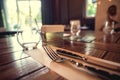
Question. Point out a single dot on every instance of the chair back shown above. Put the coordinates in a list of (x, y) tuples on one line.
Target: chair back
[(52, 28)]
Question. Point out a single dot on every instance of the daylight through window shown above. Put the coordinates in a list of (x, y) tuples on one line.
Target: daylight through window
[(91, 8)]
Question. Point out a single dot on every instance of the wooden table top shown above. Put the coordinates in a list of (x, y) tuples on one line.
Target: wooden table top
[(101, 51), (98, 45), (17, 65)]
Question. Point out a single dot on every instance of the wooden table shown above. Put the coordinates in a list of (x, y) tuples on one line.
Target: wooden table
[(102, 53), (16, 65)]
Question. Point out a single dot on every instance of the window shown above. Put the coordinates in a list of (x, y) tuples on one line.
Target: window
[(29, 10), (91, 8)]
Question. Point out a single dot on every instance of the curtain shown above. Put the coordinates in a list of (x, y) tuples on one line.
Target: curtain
[(1, 19), (48, 14)]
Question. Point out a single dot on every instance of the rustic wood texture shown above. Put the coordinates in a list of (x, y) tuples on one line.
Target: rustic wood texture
[(102, 54), (16, 65)]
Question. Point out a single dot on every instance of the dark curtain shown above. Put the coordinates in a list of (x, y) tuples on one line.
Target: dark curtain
[(1, 20), (48, 15)]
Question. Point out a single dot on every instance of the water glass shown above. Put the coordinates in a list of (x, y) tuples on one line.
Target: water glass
[(75, 27), (29, 38), (109, 27)]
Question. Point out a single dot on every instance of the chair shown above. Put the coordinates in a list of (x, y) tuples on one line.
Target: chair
[(50, 29)]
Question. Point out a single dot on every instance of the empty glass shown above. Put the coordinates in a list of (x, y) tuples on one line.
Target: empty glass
[(29, 38)]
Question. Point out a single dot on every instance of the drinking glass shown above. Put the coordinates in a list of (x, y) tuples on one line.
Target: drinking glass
[(109, 27), (75, 28), (29, 38)]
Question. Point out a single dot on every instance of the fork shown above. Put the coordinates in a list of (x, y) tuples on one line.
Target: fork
[(55, 57), (52, 54)]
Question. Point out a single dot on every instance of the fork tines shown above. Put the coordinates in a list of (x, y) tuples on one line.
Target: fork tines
[(51, 53)]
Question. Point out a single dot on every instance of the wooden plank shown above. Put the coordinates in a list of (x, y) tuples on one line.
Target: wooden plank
[(9, 43), (14, 64), (95, 53), (9, 58), (19, 69), (118, 41), (9, 50), (3, 40), (108, 47), (107, 38), (112, 56), (77, 46), (6, 39)]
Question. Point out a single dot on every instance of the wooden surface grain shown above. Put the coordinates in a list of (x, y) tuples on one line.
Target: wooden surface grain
[(16, 65), (36, 65)]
